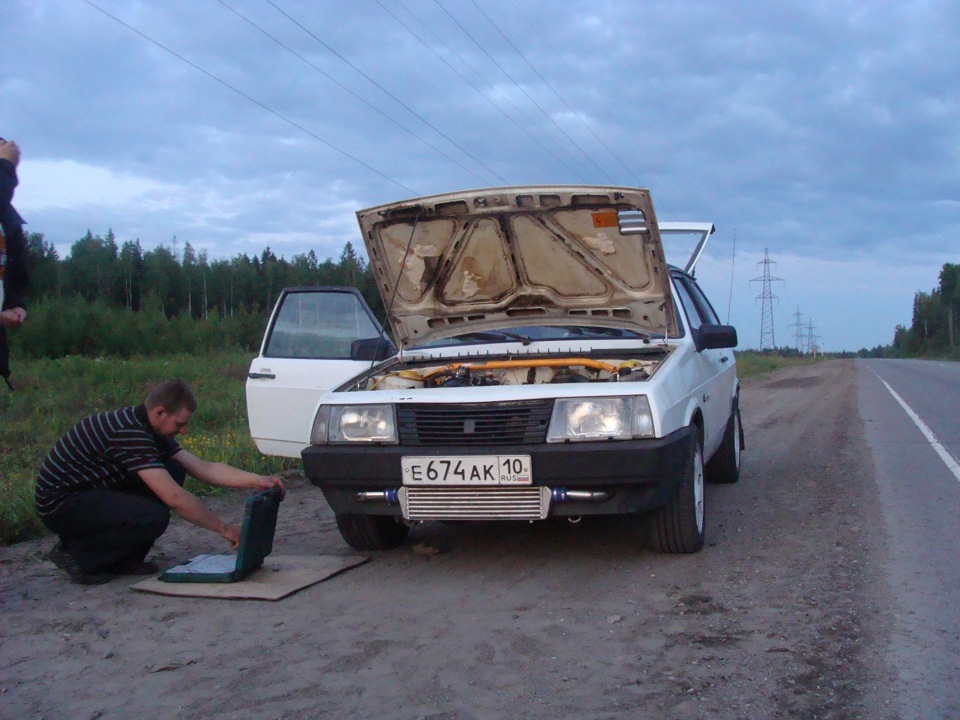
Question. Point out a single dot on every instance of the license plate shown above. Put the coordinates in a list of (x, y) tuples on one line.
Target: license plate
[(467, 470)]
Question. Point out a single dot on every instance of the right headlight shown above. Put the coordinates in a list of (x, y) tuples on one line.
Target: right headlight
[(600, 418), (344, 424)]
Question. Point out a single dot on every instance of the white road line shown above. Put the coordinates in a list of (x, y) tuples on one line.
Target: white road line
[(948, 459)]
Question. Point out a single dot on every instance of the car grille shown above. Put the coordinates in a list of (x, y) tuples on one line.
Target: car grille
[(509, 423), (493, 503)]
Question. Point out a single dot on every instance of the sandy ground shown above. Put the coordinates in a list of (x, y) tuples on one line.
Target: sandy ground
[(781, 616)]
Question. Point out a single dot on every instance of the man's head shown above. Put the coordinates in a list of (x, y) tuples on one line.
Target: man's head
[(170, 405)]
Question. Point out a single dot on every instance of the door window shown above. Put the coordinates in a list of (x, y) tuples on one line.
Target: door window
[(706, 309), (321, 325), (689, 306), (695, 304)]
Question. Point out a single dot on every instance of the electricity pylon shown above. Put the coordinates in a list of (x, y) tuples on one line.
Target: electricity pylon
[(766, 298), (798, 324), (812, 345)]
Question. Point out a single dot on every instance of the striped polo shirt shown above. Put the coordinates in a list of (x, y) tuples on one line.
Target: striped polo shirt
[(101, 451)]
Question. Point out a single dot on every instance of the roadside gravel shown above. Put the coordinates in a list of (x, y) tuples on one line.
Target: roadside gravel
[(781, 616)]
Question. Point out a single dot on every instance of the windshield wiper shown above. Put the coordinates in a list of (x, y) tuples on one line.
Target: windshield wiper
[(605, 332), (491, 335)]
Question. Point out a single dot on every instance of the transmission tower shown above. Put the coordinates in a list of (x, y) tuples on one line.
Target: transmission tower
[(812, 344), (798, 324), (766, 298)]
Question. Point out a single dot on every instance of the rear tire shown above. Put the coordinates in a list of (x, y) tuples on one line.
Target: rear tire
[(679, 526), (724, 466), (371, 532)]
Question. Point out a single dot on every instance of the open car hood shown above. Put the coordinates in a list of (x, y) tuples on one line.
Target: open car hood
[(507, 257)]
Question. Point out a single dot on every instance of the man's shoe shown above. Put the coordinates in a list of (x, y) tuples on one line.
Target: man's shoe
[(70, 565), (135, 567), (58, 556)]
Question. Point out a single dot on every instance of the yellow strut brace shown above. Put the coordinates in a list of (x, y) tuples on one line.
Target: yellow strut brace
[(542, 362)]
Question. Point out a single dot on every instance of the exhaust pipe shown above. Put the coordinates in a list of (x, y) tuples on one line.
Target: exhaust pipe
[(560, 495), (390, 496)]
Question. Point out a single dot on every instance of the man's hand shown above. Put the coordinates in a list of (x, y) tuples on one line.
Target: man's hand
[(13, 317), (10, 151), (223, 475), (265, 482), (231, 533)]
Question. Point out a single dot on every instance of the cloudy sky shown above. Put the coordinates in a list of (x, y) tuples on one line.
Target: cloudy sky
[(826, 133)]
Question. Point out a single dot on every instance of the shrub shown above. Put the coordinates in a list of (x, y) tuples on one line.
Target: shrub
[(59, 327)]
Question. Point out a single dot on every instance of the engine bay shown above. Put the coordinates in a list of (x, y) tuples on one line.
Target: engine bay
[(532, 371)]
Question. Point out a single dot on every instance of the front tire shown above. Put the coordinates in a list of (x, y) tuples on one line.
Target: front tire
[(724, 466), (371, 532), (679, 526)]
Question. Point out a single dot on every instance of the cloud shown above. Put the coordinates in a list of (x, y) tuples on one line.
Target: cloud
[(222, 215), (67, 184), (824, 131)]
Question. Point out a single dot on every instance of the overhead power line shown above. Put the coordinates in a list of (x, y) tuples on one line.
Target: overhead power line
[(663, 209), (552, 89), (576, 173), (520, 88), (387, 92), (347, 89), (608, 113), (256, 102)]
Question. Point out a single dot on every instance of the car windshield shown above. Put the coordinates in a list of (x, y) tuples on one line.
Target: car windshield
[(536, 333)]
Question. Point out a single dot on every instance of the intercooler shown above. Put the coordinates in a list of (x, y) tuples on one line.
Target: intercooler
[(475, 503)]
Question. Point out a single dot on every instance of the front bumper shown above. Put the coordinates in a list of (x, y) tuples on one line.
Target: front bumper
[(618, 476)]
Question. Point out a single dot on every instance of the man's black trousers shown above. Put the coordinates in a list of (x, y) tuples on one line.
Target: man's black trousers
[(103, 528)]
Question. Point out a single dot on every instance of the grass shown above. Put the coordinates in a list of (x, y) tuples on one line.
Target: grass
[(52, 395), (750, 364)]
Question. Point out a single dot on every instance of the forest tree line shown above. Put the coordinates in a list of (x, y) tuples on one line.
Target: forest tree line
[(182, 281), (107, 297), (935, 327)]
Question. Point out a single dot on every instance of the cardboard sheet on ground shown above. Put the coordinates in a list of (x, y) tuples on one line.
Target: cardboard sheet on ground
[(280, 576)]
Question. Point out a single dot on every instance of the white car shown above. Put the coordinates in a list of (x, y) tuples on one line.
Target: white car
[(550, 364)]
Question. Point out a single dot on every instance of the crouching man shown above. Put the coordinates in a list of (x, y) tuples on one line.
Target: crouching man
[(108, 485)]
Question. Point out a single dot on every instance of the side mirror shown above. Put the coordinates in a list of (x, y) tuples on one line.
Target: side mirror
[(716, 337), (374, 349)]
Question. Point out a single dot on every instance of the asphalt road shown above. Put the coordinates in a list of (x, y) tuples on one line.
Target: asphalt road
[(828, 589), (919, 488)]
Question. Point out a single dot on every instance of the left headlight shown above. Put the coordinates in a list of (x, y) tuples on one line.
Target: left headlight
[(600, 418), (354, 424)]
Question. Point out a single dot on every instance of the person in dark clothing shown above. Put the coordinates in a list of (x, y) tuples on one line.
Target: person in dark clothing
[(108, 485), (13, 255)]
